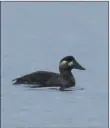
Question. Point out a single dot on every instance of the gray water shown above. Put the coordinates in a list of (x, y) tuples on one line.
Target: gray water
[(35, 36)]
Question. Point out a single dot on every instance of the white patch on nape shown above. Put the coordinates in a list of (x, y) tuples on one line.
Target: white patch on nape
[(63, 62), (70, 63)]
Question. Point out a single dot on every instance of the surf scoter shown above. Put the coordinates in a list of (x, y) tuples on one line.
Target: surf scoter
[(64, 79)]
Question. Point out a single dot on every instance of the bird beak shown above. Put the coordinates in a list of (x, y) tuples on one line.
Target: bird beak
[(78, 66)]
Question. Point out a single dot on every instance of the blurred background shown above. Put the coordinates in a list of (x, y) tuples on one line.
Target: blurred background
[(35, 36)]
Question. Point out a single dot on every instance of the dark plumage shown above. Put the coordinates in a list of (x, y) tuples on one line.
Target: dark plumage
[(64, 79)]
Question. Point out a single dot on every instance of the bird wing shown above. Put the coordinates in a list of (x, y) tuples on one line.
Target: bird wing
[(39, 77)]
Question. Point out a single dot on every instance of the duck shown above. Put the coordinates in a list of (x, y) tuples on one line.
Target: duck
[(64, 79)]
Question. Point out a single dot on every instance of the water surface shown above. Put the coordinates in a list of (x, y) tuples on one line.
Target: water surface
[(35, 36)]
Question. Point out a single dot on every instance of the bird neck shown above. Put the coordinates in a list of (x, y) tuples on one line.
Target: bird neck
[(67, 75), (65, 72)]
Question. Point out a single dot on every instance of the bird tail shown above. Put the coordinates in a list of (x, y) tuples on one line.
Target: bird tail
[(17, 81), (23, 80)]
